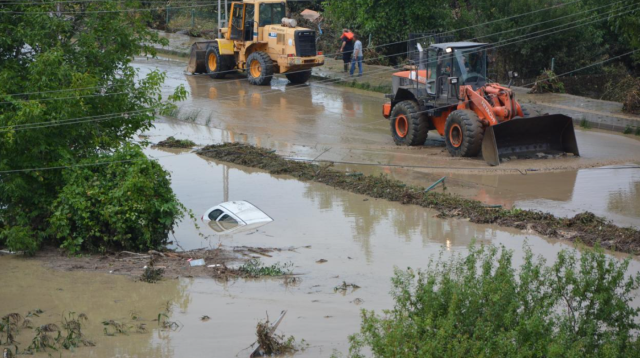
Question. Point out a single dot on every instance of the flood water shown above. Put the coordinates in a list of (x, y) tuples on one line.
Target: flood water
[(336, 123), (362, 239)]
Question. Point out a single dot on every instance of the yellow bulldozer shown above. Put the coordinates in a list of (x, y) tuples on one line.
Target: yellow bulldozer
[(261, 41)]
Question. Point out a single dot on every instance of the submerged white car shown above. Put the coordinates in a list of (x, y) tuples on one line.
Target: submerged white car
[(234, 216)]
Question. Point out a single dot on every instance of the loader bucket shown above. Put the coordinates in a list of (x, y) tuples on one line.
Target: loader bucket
[(197, 57), (550, 134)]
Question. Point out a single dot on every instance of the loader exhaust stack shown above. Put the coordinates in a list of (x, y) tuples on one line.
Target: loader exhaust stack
[(550, 134)]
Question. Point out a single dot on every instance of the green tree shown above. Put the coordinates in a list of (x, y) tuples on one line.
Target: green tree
[(129, 206), (68, 93), (481, 306), (390, 21)]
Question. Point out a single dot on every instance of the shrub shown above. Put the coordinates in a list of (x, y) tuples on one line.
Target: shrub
[(480, 306), (548, 82), (20, 239), (127, 204)]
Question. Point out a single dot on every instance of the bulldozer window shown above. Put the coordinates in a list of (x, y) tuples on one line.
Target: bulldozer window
[(249, 21), (471, 66), (431, 65), (236, 28), (272, 13)]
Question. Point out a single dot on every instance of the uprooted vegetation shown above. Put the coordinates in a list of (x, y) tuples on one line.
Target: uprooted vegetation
[(50, 336), (548, 82), (255, 268), (271, 344), (172, 142), (585, 227)]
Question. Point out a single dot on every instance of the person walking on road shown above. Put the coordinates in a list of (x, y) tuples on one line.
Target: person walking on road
[(357, 56), (347, 48)]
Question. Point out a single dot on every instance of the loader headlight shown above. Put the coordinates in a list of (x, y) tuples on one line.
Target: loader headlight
[(448, 50), (453, 80)]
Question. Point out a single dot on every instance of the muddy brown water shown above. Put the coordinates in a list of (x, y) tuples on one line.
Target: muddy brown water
[(362, 239), (344, 124)]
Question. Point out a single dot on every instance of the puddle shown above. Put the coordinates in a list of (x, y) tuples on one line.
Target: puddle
[(358, 239)]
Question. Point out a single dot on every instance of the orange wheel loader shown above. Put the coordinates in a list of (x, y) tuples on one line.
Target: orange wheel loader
[(447, 90)]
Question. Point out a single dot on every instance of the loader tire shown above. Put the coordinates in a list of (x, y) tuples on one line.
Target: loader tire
[(408, 126), (528, 111), (259, 68), (215, 63), (463, 133), (299, 77)]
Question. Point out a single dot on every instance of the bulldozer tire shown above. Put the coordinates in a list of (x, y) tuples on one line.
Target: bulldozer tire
[(259, 68), (215, 63), (299, 77), (408, 127), (529, 111), (463, 133)]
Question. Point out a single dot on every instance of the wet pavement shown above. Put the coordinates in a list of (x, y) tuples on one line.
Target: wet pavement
[(362, 239)]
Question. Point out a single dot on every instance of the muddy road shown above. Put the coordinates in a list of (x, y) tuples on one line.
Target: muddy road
[(329, 122)]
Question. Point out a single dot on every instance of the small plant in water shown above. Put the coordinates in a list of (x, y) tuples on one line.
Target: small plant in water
[(255, 268), (152, 275)]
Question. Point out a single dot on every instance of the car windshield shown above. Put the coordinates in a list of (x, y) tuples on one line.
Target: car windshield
[(272, 13), (470, 66)]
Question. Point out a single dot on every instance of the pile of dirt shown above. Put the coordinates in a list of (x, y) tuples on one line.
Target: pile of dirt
[(154, 265), (585, 227), (171, 142), (548, 82)]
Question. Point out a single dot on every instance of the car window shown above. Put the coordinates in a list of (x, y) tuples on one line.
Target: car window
[(215, 214), (227, 222), (227, 219)]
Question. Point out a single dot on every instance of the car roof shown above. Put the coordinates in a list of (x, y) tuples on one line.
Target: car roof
[(462, 44), (246, 211)]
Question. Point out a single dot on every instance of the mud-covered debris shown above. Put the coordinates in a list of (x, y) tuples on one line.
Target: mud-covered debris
[(270, 344), (171, 142), (321, 261), (449, 205), (358, 301), (205, 318), (151, 274), (345, 287)]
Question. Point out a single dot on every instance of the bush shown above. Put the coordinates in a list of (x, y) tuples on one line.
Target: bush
[(548, 82), (20, 239), (124, 205), (480, 306)]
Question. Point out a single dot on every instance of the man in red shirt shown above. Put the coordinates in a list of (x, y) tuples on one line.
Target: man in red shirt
[(347, 47)]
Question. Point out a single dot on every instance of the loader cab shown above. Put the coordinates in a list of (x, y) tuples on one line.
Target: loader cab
[(245, 16), (465, 62)]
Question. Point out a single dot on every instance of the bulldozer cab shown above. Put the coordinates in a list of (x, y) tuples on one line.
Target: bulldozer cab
[(244, 17), (450, 65)]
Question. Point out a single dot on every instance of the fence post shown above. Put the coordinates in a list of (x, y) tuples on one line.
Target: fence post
[(553, 63), (193, 18)]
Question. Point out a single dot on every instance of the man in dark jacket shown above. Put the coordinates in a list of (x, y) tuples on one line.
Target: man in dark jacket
[(347, 48)]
